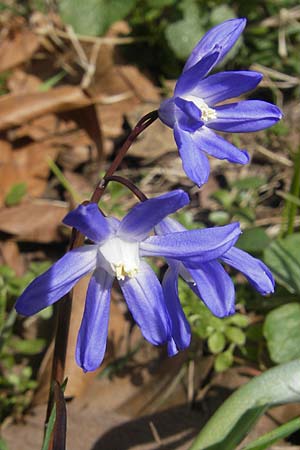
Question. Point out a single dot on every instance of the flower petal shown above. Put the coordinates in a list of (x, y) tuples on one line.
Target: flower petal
[(188, 80), (181, 331), (215, 288), (169, 225), (145, 300), (189, 117), (58, 280), (245, 116), (224, 85), (217, 146), (222, 36), (144, 216), (89, 221), (193, 246), (92, 336), (256, 272), (194, 161), (166, 112)]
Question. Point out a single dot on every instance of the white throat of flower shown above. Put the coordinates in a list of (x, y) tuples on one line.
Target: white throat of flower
[(207, 113), (122, 257)]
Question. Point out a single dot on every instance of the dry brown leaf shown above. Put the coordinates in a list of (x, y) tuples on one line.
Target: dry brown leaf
[(28, 165), (36, 221), (11, 256), (18, 47), (5, 152), (15, 109), (21, 82)]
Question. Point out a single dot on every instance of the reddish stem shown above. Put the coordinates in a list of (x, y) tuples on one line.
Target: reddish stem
[(64, 307)]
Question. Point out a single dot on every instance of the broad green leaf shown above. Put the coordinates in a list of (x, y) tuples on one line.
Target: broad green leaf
[(16, 194), (282, 256), (3, 445), (223, 361), (94, 17), (219, 217), (237, 415), (249, 183), (264, 442), (235, 335), (282, 332), (184, 34), (253, 240), (216, 342), (28, 347)]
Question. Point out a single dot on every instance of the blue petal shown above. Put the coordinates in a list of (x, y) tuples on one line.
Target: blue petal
[(92, 336), (144, 216), (257, 273), (89, 221), (190, 117), (169, 225), (215, 288), (194, 161), (245, 116), (217, 146), (166, 112), (58, 280), (193, 246), (189, 79), (222, 36), (224, 85), (145, 300), (181, 332)]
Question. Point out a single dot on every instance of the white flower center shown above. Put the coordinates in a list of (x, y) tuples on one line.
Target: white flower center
[(207, 112), (122, 257)]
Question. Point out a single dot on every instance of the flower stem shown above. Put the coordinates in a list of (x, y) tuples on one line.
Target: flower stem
[(64, 307), (144, 123)]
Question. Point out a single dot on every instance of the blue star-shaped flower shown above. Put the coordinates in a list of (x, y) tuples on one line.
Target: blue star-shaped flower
[(195, 111), (118, 252), (209, 281)]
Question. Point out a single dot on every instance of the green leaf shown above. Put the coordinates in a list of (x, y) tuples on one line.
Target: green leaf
[(184, 34), (49, 429), (223, 361), (265, 441), (282, 332), (28, 347), (282, 256), (219, 217), (237, 415), (240, 320), (94, 17), (3, 445), (249, 183), (16, 194), (216, 342), (235, 335), (253, 240)]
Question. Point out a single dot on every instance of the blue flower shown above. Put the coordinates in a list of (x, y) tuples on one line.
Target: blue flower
[(119, 251), (194, 111), (209, 281)]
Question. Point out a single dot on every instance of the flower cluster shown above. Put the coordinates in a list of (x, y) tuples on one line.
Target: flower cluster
[(196, 108), (117, 249), (118, 252)]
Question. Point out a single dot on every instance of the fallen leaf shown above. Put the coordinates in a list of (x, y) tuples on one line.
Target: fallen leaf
[(37, 221), (29, 165), (11, 256), (15, 109), (18, 47)]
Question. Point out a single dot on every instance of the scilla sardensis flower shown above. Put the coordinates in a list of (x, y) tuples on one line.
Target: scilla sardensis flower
[(195, 110), (118, 252)]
